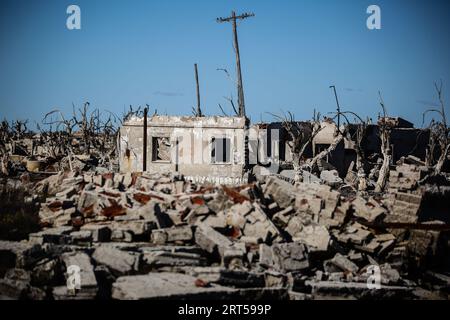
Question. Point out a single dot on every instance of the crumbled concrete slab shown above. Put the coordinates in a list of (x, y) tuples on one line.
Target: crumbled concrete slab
[(210, 240), (81, 237), (118, 261), (226, 277), (370, 210), (175, 234), (314, 236), (62, 293), (405, 208), (58, 235), (354, 233), (46, 272), (164, 286), (13, 289), (284, 257), (355, 289), (344, 263), (259, 226), (138, 228), (164, 258), (331, 178), (88, 282), (281, 191), (99, 232)]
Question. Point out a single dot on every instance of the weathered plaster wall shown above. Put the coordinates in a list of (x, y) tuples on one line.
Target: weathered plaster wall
[(191, 141)]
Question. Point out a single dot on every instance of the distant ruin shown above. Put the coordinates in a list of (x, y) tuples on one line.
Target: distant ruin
[(225, 150)]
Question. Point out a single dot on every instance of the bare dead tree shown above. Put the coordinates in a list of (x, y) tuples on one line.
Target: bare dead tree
[(301, 134), (230, 100), (338, 136), (62, 138), (432, 142), (10, 134), (5, 136), (86, 125), (223, 111), (131, 112), (360, 157), (357, 138), (19, 129), (385, 128), (4, 165), (107, 147), (59, 141), (52, 142), (5, 139), (194, 112), (98, 134), (439, 133)]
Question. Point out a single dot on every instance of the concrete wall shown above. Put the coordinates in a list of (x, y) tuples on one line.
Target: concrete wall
[(325, 136), (191, 145), (409, 141)]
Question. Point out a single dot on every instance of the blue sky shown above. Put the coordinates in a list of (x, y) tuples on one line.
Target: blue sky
[(142, 52)]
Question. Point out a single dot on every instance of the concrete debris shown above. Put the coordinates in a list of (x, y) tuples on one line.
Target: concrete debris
[(319, 202), (259, 226), (370, 210), (344, 263), (165, 285), (46, 272), (18, 254), (405, 208), (165, 258), (118, 261), (405, 177), (181, 234), (227, 277), (99, 232), (155, 236), (356, 290), (88, 282), (58, 235), (284, 257), (353, 233), (309, 177), (16, 285), (282, 192), (211, 241), (331, 178), (314, 236)]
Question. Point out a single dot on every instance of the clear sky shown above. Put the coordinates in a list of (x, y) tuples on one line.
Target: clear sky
[(142, 52)]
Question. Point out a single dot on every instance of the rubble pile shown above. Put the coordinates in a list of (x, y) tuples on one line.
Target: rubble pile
[(152, 236)]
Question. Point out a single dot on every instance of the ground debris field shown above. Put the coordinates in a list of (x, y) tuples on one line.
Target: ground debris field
[(74, 227)]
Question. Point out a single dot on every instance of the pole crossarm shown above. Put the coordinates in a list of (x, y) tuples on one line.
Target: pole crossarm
[(240, 87), (241, 17)]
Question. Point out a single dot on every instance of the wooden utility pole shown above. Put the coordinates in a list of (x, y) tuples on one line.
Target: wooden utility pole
[(144, 151), (199, 110), (240, 89)]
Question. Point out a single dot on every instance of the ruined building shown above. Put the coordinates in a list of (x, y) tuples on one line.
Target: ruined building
[(221, 149), (201, 148)]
